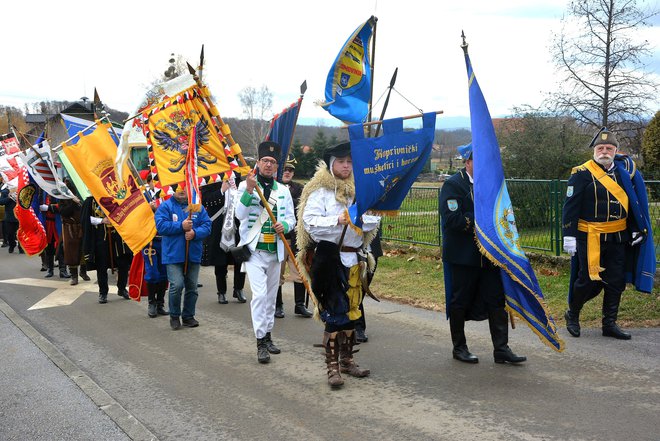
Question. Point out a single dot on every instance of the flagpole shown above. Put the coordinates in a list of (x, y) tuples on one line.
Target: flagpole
[(264, 202), (419, 115), (303, 89), (387, 100), (371, 67)]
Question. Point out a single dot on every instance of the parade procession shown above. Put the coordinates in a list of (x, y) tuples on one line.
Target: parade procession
[(191, 286)]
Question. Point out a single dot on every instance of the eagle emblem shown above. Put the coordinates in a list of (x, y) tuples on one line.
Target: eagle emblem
[(173, 135)]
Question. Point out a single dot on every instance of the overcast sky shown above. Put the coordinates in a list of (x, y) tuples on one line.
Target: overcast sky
[(62, 50)]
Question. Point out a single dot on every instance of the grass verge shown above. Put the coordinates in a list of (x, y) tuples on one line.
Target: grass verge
[(413, 275)]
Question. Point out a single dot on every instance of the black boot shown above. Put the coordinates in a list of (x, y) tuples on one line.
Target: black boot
[(103, 298), (160, 298), (572, 322), (83, 273), (50, 263), (270, 345), (238, 295), (299, 297), (222, 298), (74, 275), (262, 351), (610, 312), (457, 328), (279, 306), (151, 311), (499, 332)]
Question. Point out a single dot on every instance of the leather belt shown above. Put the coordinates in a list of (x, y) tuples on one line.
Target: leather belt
[(349, 250)]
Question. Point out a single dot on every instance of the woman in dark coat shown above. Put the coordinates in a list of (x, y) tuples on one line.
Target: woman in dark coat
[(72, 235)]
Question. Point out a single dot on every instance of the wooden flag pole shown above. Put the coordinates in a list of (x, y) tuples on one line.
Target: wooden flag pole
[(419, 115), (264, 202)]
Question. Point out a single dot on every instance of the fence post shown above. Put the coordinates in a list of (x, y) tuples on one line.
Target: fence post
[(439, 221), (558, 215)]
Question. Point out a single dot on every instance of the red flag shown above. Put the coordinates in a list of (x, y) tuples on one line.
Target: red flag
[(31, 233), (137, 286)]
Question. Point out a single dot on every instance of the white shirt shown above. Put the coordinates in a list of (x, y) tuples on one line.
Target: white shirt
[(320, 220)]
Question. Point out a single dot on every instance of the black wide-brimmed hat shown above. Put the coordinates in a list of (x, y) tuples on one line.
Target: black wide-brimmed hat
[(269, 148), (339, 151)]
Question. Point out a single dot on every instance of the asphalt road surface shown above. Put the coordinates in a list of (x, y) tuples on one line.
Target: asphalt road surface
[(205, 383)]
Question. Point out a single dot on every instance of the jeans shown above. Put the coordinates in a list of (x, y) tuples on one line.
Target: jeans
[(177, 282)]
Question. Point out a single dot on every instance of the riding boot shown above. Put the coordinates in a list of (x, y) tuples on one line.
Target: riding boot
[(610, 312), (44, 262), (457, 328), (83, 273), (332, 359), (64, 274), (499, 332), (346, 341), (299, 297), (74, 275), (151, 290)]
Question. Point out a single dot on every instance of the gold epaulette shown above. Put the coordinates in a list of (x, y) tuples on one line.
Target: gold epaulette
[(577, 169)]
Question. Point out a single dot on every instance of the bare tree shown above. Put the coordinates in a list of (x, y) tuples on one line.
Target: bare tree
[(257, 107), (603, 66)]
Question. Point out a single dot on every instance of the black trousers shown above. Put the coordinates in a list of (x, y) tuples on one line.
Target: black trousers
[(472, 284), (612, 258), (10, 233), (123, 264), (221, 278)]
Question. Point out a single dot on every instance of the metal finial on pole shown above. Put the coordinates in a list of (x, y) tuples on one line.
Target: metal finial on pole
[(464, 46)]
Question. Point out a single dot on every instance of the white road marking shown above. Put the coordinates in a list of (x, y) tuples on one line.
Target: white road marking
[(64, 294)]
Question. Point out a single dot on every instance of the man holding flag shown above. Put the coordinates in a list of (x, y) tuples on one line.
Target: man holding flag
[(178, 225), (472, 283)]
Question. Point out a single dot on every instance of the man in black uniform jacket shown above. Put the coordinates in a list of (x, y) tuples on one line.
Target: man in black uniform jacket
[(472, 283), (597, 226)]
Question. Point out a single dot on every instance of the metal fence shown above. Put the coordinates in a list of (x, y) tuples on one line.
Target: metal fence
[(537, 206)]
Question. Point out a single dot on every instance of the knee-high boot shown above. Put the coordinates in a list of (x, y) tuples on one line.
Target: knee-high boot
[(611, 303), (346, 340), (457, 328), (299, 297), (499, 332), (50, 263), (332, 358), (83, 273)]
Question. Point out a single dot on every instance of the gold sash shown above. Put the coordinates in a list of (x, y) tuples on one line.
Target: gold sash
[(594, 230), (609, 184)]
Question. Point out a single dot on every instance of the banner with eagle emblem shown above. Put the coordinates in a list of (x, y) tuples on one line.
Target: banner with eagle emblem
[(93, 157), (172, 127)]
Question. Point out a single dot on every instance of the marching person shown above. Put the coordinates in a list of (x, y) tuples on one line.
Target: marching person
[(220, 200), (155, 273), (261, 235), (472, 282), (177, 226), (10, 224), (53, 226), (602, 222), (335, 269), (299, 292), (69, 210), (103, 248)]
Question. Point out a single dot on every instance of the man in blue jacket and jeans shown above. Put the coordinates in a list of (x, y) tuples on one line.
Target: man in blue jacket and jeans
[(177, 228)]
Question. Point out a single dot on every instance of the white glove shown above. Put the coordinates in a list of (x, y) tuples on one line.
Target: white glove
[(95, 220), (43, 207), (570, 246), (637, 238)]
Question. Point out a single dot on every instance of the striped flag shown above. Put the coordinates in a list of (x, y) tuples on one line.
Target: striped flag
[(39, 162)]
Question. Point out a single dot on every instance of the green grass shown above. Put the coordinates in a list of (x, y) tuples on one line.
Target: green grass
[(413, 275)]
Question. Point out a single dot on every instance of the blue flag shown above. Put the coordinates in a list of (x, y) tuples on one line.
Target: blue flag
[(348, 87), (385, 168), (495, 224), (281, 130)]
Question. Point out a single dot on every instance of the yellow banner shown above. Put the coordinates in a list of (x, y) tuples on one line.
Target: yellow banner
[(93, 157), (170, 127)]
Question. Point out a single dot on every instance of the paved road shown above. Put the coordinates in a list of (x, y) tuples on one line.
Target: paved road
[(205, 383)]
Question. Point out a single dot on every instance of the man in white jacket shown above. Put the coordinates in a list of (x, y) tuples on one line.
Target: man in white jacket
[(261, 235)]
